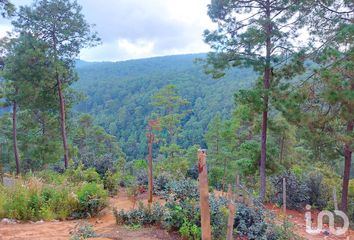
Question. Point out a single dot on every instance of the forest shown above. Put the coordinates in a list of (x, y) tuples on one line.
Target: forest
[(268, 111)]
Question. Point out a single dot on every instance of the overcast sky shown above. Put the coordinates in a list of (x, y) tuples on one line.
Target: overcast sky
[(132, 29)]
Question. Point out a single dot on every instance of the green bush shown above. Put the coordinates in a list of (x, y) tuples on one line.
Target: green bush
[(28, 201), (92, 198), (181, 189), (297, 190), (142, 215), (111, 182), (319, 194), (80, 175)]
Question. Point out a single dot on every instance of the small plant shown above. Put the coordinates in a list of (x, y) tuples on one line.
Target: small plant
[(83, 232), (111, 182), (190, 231)]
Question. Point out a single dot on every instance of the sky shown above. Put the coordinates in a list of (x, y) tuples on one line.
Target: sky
[(132, 29)]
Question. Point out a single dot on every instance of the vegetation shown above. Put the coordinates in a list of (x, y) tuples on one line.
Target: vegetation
[(50, 196), (74, 132)]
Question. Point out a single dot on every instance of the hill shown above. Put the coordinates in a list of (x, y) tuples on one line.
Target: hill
[(119, 96)]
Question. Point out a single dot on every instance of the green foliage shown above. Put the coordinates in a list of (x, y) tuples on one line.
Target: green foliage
[(127, 87), (297, 190), (92, 199), (142, 215), (83, 232), (111, 182), (79, 174), (35, 201)]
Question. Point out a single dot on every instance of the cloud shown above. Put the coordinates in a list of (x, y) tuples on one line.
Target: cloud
[(144, 28)]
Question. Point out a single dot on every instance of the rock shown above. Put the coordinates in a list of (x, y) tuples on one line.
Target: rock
[(39, 222), (8, 221)]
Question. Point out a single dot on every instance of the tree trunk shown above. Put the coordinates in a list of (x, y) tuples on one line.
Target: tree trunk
[(62, 123), (150, 180), (1, 165), (282, 140), (347, 165), (266, 85), (204, 195), (14, 136)]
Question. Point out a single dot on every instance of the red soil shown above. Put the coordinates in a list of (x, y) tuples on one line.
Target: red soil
[(104, 226)]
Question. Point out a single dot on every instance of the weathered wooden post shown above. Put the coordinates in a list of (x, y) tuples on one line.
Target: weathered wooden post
[(204, 195), (1, 169), (151, 138), (230, 222), (335, 201), (284, 195), (237, 188)]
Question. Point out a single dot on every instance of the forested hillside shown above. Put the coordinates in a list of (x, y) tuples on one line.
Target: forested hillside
[(119, 96)]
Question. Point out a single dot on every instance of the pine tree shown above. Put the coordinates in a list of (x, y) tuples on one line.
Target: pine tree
[(257, 34), (61, 25)]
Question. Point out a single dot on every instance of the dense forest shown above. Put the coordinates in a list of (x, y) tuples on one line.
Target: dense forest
[(119, 96), (268, 105)]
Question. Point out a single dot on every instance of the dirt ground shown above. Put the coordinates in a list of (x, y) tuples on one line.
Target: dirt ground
[(299, 226), (106, 227)]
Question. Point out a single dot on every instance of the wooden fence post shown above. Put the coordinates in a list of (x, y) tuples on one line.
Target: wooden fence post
[(284, 195), (230, 222), (150, 183), (1, 166), (204, 195), (335, 201)]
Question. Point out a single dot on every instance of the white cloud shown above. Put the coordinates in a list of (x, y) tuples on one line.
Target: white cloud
[(143, 28)]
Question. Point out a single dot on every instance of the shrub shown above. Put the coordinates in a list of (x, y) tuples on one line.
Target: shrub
[(92, 198), (142, 215), (190, 231), (161, 184), (250, 222), (111, 182), (83, 232), (80, 175), (319, 194), (297, 191), (183, 189)]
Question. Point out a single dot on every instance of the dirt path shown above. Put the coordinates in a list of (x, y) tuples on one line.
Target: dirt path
[(299, 226), (104, 226)]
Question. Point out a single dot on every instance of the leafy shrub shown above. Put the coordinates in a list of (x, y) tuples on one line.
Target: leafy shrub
[(318, 193), (282, 232), (141, 215), (83, 232), (80, 175), (111, 182), (33, 201), (161, 184), (250, 222), (92, 199), (182, 189), (50, 176), (142, 178), (190, 231), (297, 191)]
